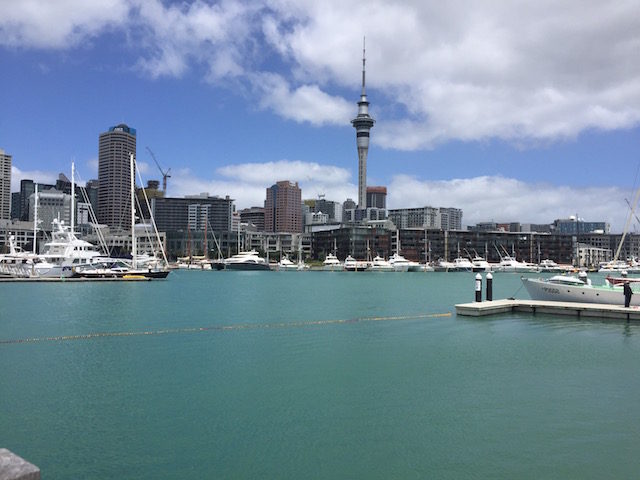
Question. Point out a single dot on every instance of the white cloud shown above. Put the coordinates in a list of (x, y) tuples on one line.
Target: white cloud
[(37, 176), (500, 199), (306, 103), (57, 25), (519, 71), (247, 183), (295, 171)]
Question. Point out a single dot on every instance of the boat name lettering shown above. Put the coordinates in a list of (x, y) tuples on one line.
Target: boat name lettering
[(551, 290)]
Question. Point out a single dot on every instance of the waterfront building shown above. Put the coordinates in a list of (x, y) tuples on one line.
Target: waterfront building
[(363, 124), (22, 232), (377, 197), (574, 225), (182, 214), (253, 216), (5, 185), (114, 175), (362, 242), (283, 208)]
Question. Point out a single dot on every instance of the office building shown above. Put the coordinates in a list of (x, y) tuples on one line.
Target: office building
[(5, 185), (427, 217), (253, 216), (52, 204), (114, 176), (283, 208), (191, 213)]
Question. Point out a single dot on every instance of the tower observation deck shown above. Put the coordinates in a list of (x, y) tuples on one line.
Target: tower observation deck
[(362, 123)]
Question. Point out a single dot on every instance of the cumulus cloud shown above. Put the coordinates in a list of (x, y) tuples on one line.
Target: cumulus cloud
[(247, 183), (60, 24), (306, 103), (518, 71), (37, 176), (501, 199)]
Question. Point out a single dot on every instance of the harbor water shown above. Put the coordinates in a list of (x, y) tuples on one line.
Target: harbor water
[(294, 375)]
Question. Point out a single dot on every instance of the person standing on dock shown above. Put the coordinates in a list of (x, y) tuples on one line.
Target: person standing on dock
[(627, 294)]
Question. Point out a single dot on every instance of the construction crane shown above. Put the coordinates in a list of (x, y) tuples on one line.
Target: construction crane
[(165, 175)]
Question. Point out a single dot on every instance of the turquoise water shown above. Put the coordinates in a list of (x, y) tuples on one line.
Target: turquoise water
[(304, 375)]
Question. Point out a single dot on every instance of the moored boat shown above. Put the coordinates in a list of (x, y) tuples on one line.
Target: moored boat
[(568, 288), (332, 264), (246, 261)]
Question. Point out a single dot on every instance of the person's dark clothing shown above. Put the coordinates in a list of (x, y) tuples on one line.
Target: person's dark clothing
[(627, 294)]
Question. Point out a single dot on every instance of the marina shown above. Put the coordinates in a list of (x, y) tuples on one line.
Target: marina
[(203, 368)]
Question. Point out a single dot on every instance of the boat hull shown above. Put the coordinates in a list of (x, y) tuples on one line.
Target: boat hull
[(155, 274), (247, 266), (540, 289)]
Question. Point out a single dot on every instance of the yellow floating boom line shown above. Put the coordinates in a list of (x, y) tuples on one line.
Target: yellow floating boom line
[(244, 326)]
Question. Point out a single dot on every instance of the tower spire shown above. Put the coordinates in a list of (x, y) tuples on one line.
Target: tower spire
[(362, 123), (363, 62)]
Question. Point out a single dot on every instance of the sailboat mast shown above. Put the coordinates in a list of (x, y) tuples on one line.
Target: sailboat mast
[(35, 220), (134, 247), (73, 197)]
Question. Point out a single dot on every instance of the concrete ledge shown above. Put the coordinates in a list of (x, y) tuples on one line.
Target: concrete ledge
[(13, 467), (591, 310)]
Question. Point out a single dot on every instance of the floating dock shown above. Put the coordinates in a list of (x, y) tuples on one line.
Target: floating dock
[(590, 310)]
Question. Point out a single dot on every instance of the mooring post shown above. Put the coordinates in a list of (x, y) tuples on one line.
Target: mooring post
[(489, 287), (478, 287)]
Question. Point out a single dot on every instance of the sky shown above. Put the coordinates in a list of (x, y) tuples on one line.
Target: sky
[(522, 111)]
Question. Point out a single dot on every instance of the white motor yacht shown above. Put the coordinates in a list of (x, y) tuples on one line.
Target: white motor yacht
[(379, 264), (332, 264), (246, 261), (399, 263), (565, 288), (286, 265), (353, 265), (510, 264), (548, 265)]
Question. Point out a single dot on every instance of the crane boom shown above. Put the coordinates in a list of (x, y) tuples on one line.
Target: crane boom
[(165, 174)]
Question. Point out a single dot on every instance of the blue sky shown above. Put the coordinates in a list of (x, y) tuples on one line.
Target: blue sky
[(525, 112)]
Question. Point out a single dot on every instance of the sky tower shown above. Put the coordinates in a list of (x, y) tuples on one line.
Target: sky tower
[(362, 123)]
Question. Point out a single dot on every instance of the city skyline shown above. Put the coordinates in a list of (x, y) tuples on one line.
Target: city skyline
[(511, 114)]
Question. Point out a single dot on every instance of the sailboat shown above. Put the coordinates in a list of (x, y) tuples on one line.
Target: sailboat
[(118, 268)]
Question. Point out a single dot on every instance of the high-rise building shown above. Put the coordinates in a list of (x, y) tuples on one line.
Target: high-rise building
[(114, 175), (5, 185), (283, 208), (52, 204), (362, 123), (377, 197), (193, 213)]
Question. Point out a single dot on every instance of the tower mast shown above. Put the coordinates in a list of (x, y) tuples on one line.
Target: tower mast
[(363, 124)]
